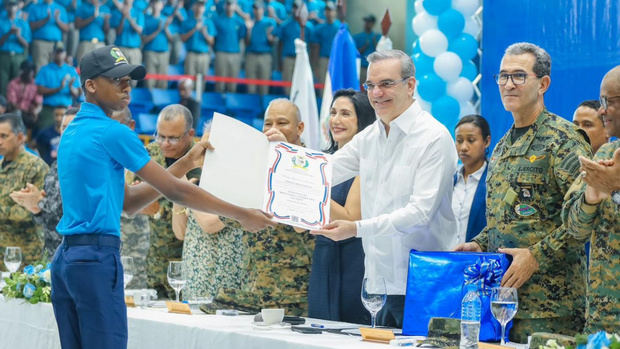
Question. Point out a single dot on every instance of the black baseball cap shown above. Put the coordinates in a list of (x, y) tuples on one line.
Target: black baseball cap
[(370, 18), (108, 61)]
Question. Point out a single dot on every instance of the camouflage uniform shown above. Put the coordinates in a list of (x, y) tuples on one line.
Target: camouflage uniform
[(51, 212), (600, 223), (135, 233), (16, 225), (276, 271), (525, 188), (163, 245)]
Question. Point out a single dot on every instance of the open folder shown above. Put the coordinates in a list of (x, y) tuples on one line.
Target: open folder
[(291, 182)]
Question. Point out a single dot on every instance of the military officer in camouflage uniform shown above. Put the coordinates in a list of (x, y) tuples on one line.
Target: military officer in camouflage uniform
[(592, 210), (46, 204), (17, 168), (173, 139), (275, 271), (530, 170), (277, 261)]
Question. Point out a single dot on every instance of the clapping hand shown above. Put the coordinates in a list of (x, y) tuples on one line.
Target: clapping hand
[(29, 197)]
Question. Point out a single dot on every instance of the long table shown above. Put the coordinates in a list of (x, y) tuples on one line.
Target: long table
[(24, 325)]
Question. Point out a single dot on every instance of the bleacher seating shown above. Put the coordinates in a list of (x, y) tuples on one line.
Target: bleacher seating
[(141, 101), (146, 123), (243, 107), (164, 97), (268, 98)]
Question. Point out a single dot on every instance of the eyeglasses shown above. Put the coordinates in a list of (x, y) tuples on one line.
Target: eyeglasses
[(384, 85), (516, 78), (605, 101), (172, 140)]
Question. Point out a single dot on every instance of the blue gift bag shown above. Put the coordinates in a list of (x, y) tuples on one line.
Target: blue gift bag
[(435, 288)]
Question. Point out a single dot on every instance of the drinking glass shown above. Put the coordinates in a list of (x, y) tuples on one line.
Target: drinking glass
[(12, 258), (176, 276), (128, 269), (504, 305), (374, 295)]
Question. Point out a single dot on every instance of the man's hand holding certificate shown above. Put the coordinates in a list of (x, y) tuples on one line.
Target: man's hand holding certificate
[(290, 182)]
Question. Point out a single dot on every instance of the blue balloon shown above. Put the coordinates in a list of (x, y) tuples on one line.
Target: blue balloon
[(470, 71), (451, 23), (436, 7), (446, 110), (464, 45), (431, 87), (423, 64)]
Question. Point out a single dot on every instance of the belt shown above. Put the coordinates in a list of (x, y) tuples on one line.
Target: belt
[(106, 240)]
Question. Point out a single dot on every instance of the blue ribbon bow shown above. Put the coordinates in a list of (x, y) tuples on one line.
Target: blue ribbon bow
[(486, 274)]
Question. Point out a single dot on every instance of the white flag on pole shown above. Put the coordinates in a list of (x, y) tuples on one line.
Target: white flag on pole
[(304, 97)]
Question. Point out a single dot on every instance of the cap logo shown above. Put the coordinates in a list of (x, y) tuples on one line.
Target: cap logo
[(118, 55)]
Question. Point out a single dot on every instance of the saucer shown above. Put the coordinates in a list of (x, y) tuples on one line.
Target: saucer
[(259, 325)]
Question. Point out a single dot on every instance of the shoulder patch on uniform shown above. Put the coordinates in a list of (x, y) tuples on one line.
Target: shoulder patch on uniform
[(570, 163)]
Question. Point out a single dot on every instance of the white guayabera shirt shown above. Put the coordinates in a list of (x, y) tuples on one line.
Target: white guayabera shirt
[(406, 184)]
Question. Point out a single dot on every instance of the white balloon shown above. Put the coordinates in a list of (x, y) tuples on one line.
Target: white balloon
[(423, 22), (467, 108), (448, 66), (426, 106), (472, 27), (433, 42), (462, 90), (418, 6), (466, 7)]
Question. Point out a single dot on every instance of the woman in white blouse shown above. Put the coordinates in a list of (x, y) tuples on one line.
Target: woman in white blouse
[(473, 138)]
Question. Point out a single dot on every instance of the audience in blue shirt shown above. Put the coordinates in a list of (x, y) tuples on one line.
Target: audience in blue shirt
[(230, 31), (366, 43), (322, 38), (92, 19), (128, 20), (14, 40), (59, 83), (197, 32), (48, 22), (156, 39)]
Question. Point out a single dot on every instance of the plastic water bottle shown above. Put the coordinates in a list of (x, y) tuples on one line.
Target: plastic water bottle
[(470, 319)]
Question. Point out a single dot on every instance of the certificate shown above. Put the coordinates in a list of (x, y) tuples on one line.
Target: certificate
[(291, 182)]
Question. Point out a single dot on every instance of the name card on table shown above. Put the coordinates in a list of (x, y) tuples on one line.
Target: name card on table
[(129, 301), (179, 308), (377, 335)]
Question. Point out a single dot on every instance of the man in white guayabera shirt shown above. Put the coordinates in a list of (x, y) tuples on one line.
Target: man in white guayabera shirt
[(406, 161)]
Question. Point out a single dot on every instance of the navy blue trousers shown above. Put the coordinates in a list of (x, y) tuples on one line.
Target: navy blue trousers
[(87, 293)]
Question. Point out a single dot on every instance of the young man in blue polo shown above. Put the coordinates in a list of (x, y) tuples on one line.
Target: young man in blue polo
[(87, 276)]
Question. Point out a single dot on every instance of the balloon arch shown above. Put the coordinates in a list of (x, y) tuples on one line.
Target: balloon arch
[(444, 56)]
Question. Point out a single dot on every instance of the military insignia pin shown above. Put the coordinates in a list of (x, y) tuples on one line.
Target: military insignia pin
[(524, 210), (534, 158)]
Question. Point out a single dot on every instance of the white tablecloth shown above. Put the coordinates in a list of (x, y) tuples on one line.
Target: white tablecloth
[(31, 326)]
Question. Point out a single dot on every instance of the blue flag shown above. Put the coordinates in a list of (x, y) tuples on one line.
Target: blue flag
[(342, 72)]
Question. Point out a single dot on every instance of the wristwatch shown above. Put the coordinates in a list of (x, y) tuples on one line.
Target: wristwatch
[(615, 196)]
